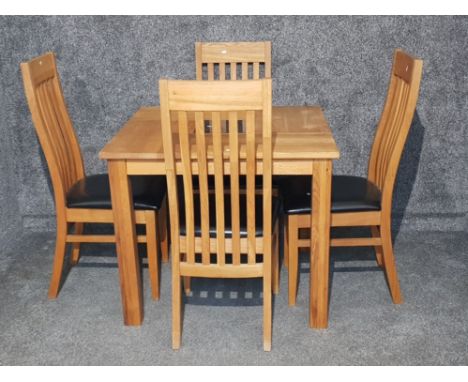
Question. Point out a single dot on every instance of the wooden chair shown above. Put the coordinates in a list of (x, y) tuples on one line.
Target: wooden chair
[(233, 60), (225, 233), (81, 199), (359, 201)]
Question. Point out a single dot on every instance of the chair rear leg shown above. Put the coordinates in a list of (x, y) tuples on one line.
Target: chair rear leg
[(176, 310), (60, 246), (187, 285), (164, 232), (285, 242), (293, 257), (378, 248), (75, 257), (275, 262), (267, 310), (390, 265), (152, 251)]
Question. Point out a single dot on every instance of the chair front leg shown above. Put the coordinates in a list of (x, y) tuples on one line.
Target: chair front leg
[(375, 230), (152, 252), (293, 258), (389, 263), (60, 246), (75, 257), (275, 262), (285, 242), (163, 223)]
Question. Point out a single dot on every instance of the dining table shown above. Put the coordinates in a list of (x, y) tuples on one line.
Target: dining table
[(303, 144)]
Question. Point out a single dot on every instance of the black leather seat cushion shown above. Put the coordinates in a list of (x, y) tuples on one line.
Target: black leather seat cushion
[(94, 192), (349, 193), (227, 215)]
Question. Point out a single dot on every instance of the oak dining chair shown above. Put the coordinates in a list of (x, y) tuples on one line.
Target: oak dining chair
[(238, 60), (358, 201), (81, 199), (233, 60), (228, 232)]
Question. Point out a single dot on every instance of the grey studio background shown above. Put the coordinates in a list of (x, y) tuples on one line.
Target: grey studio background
[(109, 68)]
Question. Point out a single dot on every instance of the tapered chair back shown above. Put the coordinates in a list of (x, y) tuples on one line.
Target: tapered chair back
[(233, 60), (395, 123), (53, 124), (216, 233)]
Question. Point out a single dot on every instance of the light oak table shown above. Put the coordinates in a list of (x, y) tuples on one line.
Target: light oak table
[(303, 144)]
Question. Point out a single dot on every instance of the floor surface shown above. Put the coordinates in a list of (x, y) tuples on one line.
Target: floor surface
[(223, 319)]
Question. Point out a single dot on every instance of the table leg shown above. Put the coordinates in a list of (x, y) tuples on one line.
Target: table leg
[(127, 252), (320, 248)]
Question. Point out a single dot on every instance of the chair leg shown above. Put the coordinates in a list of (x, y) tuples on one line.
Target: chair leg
[(293, 257), (389, 263), (75, 257), (60, 246), (267, 314), (285, 242), (275, 262), (187, 285), (378, 248), (176, 310), (163, 224), (152, 251)]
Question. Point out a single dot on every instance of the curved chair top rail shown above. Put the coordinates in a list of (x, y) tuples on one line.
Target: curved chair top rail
[(233, 60)]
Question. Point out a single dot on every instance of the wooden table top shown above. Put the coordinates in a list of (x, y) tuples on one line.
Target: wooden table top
[(298, 132)]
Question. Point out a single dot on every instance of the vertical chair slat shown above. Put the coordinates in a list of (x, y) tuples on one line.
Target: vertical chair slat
[(394, 133), (222, 71), (66, 130), (245, 71), (51, 126), (203, 186), (251, 169), (256, 70), (219, 187), (62, 136), (184, 139), (235, 199), (390, 122), (233, 66), (210, 71)]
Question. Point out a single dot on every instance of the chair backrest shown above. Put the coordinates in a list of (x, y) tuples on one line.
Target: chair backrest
[(395, 123), (52, 123), (233, 60), (189, 151)]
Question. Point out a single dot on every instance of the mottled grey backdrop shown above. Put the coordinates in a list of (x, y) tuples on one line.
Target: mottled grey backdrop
[(110, 65)]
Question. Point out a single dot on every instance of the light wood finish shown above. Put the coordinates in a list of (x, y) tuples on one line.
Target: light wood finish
[(64, 159), (300, 137), (233, 60), (320, 243), (197, 101), (387, 148)]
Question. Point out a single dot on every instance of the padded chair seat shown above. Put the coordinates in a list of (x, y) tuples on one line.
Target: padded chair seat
[(94, 192), (227, 215), (349, 193)]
